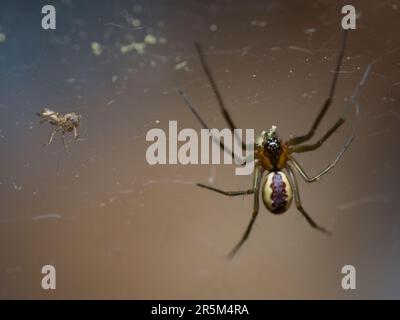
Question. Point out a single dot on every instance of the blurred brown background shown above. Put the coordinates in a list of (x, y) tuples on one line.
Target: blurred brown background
[(115, 227)]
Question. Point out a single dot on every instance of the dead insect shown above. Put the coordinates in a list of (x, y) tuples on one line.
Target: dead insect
[(64, 124)]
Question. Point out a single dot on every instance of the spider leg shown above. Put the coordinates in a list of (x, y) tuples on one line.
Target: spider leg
[(298, 167), (328, 101), (307, 178), (217, 93), (227, 193), (51, 137), (311, 147), (193, 109), (256, 206), (299, 206), (304, 174)]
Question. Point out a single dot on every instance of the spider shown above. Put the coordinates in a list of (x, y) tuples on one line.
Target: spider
[(64, 123), (274, 157)]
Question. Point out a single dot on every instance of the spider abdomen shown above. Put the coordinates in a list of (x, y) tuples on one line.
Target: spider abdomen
[(277, 192)]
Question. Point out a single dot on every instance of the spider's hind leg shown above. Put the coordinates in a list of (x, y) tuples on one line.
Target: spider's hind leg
[(246, 234), (192, 108), (299, 206), (303, 138)]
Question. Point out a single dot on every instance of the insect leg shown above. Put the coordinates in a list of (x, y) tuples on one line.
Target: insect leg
[(257, 173), (64, 143), (227, 193), (256, 206), (305, 148), (51, 137)]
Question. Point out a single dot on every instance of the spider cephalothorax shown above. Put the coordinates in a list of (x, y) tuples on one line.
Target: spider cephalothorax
[(274, 157), (270, 150)]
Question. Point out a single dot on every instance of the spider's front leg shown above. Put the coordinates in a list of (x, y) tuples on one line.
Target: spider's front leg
[(221, 103), (221, 144), (328, 101), (311, 147), (297, 199)]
